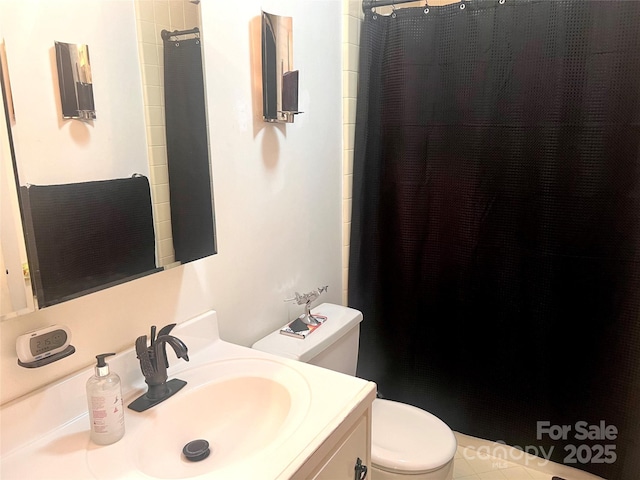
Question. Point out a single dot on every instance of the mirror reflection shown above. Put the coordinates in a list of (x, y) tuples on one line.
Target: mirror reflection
[(125, 194), (74, 79)]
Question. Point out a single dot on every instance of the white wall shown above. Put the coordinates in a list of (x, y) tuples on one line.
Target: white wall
[(277, 192), (50, 149)]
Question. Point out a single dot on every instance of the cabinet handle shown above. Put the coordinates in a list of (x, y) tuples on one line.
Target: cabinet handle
[(361, 470)]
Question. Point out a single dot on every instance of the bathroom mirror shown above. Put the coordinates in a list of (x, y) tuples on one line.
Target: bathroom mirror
[(127, 140)]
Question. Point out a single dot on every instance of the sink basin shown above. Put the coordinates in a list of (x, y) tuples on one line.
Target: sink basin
[(243, 407)]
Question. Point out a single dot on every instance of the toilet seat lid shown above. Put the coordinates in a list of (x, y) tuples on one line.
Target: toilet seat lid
[(408, 439)]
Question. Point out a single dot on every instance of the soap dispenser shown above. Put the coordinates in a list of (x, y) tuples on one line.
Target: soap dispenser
[(104, 396)]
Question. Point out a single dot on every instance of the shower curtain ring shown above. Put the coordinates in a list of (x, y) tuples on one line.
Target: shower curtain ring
[(393, 11)]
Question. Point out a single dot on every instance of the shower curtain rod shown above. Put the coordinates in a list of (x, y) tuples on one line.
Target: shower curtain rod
[(369, 4), (166, 34)]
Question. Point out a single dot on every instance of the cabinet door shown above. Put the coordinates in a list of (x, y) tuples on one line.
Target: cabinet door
[(341, 465)]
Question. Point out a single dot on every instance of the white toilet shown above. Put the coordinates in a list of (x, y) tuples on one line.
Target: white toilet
[(407, 442)]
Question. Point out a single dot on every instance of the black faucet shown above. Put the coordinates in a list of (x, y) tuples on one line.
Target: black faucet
[(154, 364)]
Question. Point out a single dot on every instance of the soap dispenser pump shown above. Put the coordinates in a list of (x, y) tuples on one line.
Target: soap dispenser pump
[(104, 397)]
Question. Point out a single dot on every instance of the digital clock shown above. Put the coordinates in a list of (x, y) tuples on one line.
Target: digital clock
[(42, 343)]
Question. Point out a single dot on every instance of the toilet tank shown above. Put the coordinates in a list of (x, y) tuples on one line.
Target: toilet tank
[(333, 345)]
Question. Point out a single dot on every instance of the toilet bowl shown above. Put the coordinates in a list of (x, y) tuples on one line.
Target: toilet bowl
[(407, 442)]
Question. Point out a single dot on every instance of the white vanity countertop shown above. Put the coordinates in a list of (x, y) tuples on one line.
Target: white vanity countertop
[(45, 435)]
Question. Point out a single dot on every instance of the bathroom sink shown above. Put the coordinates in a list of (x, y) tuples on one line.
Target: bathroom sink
[(243, 407)]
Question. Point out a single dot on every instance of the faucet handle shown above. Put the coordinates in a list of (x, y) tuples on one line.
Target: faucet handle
[(165, 331), (146, 353)]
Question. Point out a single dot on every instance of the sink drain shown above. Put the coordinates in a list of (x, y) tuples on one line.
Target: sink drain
[(196, 450)]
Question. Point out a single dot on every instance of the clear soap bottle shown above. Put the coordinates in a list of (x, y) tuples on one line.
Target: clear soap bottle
[(104, 397)]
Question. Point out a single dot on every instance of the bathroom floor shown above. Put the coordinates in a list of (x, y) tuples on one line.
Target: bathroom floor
[(470, 465)]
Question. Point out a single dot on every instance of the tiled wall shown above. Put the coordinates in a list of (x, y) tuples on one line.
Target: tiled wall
[(152, 17), (351, 20)]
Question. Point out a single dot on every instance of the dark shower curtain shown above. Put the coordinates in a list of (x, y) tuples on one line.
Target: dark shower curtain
[(496, 219), (187, 151)]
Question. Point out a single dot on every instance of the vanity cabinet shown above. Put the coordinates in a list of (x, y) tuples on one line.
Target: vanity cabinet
[(337, 457), (343, 460), (323, 431)]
